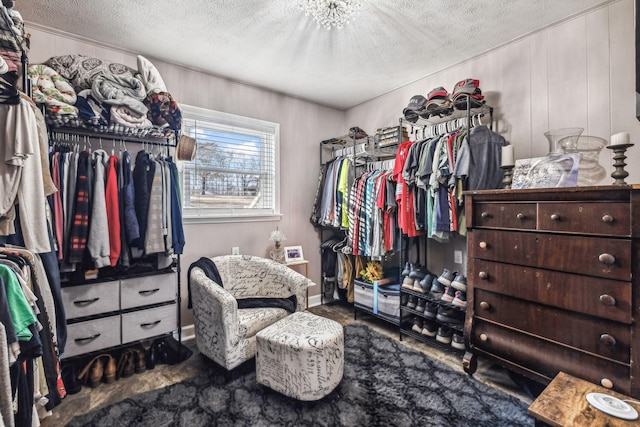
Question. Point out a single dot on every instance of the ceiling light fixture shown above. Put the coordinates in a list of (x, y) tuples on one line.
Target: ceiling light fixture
[(331, 13)]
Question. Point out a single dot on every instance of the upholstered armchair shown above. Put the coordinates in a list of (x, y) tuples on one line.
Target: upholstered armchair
[(225, 333)]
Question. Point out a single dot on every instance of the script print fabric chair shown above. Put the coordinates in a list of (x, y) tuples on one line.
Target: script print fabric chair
[(226, 334)]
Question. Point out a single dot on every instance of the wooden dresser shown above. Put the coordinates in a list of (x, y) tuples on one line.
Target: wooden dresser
[(553, 283)]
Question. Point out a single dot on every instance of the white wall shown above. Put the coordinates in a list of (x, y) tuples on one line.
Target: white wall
[(302, 125), (578, 73)]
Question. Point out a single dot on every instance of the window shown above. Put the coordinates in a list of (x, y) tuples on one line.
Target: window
[(235, 174)]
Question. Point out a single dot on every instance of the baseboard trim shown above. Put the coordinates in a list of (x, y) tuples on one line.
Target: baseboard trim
[(315, 300)]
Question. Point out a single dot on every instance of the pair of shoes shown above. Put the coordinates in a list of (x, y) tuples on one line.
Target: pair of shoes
[(420, 306), (96, 370), (444, 335), (429, 328), (449, 294), (418, 272), (404, 299), (457, 341), (407, 269), (126, 363), (460, 299)]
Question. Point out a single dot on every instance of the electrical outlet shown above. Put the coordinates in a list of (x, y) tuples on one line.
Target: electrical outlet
[(457, 257), (235, 250)]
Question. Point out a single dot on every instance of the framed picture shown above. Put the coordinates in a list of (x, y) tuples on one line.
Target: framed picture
[(293, 254), (559, 170)]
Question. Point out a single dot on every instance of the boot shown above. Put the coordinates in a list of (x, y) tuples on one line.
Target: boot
[(139, 353), (126, 364), (110, 369), (95, 371), (70, 379)]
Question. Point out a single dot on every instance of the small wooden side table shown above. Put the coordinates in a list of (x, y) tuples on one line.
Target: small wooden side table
[(306, 272), (564, 403)]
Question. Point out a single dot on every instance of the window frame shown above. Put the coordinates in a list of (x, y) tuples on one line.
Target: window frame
[(199, 215)]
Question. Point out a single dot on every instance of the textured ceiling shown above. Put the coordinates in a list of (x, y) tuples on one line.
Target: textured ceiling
[(272, 44)]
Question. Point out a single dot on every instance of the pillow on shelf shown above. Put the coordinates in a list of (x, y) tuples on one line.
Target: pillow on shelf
[(150, 76)]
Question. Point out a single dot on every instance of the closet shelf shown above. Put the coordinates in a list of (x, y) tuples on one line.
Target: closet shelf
[(165, 139)]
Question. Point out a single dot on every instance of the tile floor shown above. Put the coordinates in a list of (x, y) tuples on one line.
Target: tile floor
[(89, 399)]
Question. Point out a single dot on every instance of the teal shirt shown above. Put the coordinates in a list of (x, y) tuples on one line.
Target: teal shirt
[(21, 313)]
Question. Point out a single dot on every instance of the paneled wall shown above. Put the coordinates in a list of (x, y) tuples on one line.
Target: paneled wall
[(579, 73)]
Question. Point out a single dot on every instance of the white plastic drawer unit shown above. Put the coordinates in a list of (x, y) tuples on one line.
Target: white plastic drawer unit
[(91, 299), (142, 324), (92, 335), (147, 290)]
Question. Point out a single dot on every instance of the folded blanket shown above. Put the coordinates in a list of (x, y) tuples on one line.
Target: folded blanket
[(120, 90), (52, 90), (126, 116), (150, 76), (81, 70), (90, 110)]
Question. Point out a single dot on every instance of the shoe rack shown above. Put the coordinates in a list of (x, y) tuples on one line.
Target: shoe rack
[(434, 320)]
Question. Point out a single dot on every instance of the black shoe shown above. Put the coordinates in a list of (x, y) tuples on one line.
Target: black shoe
[(404, 299), (450, 315), (437, 288), (70, 379), (429, 328), (413, 300), (460, 300), (449, 294), (417, 325), (444, 335), (431, 310), (418, 272), (460, 282), (424, 285), (407, 270), (446, 277), (420, 306), (457, 341)]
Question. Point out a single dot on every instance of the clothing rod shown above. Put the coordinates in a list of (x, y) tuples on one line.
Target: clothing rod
[(161, 141)]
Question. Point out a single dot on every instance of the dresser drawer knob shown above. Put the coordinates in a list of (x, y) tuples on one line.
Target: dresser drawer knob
[(485, 215), (521, 216), (484, 305), (484, 337), (606, 383), (483, 245), (483, 275), (607, 300), (607, 218), (555, 217), (607, 339), (607, 259)]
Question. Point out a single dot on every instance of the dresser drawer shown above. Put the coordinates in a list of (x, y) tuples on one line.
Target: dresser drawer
[(545, 357), (92, 299), (147, 290), (593, 256), (602, 337), (608, 299), (92, 335), (142, 324), (505, 215), (609, 219)]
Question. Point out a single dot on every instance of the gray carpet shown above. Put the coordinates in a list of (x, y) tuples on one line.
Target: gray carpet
[(385, 384)]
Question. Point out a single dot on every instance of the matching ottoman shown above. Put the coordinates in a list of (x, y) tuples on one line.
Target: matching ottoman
[(301, 356)]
